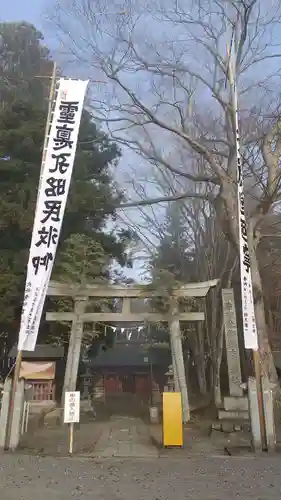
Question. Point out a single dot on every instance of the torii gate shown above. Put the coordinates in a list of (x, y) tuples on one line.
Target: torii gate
[(78, 317)]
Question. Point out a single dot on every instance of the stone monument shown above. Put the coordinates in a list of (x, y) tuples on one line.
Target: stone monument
[(236, 405)]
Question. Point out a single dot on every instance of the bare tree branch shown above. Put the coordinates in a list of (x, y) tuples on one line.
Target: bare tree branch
[(166, 67), (163, 199)]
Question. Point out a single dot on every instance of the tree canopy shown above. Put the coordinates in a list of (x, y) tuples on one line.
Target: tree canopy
[(23, 59), (169, 88), (92, 198)]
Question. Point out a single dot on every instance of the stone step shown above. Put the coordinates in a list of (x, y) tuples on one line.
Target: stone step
[(231, 403), (233, 415), (230, 426)]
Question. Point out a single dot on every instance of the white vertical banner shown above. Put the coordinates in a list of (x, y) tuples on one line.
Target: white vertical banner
[(51, 203), (248, 310)]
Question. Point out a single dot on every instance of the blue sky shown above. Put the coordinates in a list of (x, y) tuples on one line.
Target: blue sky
[(24, 10), (34, 11)]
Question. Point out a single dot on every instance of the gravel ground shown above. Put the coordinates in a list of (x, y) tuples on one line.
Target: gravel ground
[(213, 478), (55, 441)]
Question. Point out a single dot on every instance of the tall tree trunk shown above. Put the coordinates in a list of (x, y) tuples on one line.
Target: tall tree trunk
[(230, 206), (199, 351), (177, 352), (175, 370), (217, 366), (267, 361), (215, 343)]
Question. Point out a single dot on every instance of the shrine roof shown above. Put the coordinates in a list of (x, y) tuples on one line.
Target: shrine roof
[(131, 355), (42, 351)]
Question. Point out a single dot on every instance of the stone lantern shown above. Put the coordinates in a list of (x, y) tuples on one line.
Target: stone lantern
[(170, 387)]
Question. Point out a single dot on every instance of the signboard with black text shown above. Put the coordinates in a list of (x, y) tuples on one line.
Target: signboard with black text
[(72, 407), (51, 202), (248, 310)]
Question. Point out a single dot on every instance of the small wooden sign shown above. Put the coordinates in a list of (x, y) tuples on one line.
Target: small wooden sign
[(72, 407), (71, 414), (38, 370)]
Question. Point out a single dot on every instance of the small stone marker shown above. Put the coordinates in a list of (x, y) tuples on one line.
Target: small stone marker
[(254, 414), (268, 405)]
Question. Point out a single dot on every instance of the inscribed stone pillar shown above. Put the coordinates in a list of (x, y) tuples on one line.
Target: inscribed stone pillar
[(231, 341)]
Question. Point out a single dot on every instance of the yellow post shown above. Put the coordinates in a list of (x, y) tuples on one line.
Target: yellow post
[(172, 419)]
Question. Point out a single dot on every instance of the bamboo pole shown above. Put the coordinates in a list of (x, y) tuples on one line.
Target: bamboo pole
[(49, 119), (17, 367), (234, 96), (71, 437)]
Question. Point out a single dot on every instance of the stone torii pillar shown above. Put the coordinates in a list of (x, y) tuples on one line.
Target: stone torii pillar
[(75, 343)]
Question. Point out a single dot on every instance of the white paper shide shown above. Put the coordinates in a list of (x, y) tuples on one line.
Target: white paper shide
[(72, 407), (51, 202)]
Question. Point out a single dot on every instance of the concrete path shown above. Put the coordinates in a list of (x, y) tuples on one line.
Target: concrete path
[(125, 437)]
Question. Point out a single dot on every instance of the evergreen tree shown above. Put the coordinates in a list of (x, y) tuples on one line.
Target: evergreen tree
[(173, 259), (23, 60), (92, 198)]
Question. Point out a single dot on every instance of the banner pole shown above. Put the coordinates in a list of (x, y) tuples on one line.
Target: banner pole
[(232, 77), (19, 354), (71, 432), (49, 117), (12, 398)]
